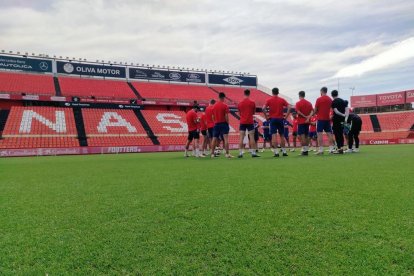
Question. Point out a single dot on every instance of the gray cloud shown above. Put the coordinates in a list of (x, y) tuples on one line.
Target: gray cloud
[(291, 44)]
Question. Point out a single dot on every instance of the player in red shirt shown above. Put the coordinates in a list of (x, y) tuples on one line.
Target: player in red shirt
[(294, 129), (221, 125), (210, 121), (276, 105), (304, 110), (247, 108), (203, 130), (193, 134), (323, 111), (313, 136)]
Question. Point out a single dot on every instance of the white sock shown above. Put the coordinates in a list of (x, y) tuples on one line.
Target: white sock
[(197, 152), (241, 152), (331, 148), (321, 149), (283, 150)]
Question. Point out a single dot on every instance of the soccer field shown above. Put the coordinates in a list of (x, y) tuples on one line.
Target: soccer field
[(163, 214)]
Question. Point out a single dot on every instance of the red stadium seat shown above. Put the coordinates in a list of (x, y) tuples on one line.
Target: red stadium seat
[(16, 83), (366, 123), (87, 87), (396, 121), (33, 127), (200, 93), (114, 127), (237, 94)]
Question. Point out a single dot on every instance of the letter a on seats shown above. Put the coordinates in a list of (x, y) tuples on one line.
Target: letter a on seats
[(107, 120), (28, 115)]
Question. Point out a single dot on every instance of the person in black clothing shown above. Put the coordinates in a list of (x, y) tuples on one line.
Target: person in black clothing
[(340, 110), (355, 123)]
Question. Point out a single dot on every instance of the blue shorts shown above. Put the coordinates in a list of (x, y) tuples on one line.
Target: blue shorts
[(246, 127), (313, 134), (277, 126), (210, 132), (221, 129), (303, 129), (286, 132), (324, 125), (267, 137)]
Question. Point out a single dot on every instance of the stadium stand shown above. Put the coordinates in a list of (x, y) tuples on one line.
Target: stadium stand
[(169, 126), (236, 94), (87, 87), (396, 121), (114, 127), (151, 91), (31, 127), (16, 83), (366, 123)]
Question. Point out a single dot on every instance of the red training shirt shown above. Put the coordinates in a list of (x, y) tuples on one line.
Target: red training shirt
[(220, 110), (209, 116), (247, 108), (312, 128), (323, 105), (192, 120), (203, 122), (305, 107), (276, 105), (295, 125)]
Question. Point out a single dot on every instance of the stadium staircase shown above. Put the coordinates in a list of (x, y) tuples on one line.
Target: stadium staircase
[(147, 127), (80, 127), (134, 90), (234, 113), (57, 86), (4, 114), (375, 123)]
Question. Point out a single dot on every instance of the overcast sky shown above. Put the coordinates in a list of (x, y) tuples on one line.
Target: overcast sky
[(295, 45)]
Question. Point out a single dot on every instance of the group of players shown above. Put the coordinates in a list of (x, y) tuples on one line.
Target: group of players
[(329, 115)]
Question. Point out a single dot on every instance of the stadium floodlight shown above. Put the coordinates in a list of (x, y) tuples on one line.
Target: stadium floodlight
[(18, 53), (26, 53), (2, 51), (84, 59), (10, 52)]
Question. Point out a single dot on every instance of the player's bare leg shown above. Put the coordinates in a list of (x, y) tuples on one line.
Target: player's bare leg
[(283, 144), (241, 144), (187, 146), (213, 146), (274, 144), (305, 144), (252, 144), (226, 146), (197, 148)]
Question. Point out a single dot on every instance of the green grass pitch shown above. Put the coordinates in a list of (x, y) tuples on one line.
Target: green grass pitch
[(160, 213)]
